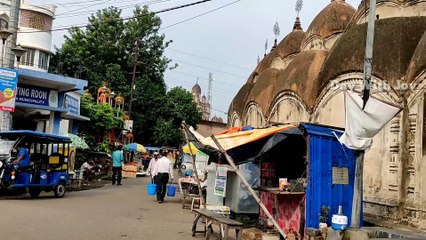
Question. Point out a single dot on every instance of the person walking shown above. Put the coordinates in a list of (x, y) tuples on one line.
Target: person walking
[(164, 172), (151, 167), (117, 161)]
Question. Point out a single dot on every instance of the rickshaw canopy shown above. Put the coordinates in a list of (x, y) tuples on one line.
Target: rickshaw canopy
[(42, 137)]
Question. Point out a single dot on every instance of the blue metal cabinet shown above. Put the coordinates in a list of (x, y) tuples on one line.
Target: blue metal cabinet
[(325, 153)]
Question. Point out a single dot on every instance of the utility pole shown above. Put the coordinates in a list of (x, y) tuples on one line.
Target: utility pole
[(210, 94), (15, 6), (368, 66), (132, 86)]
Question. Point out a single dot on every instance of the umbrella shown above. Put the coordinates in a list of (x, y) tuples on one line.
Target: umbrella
[(135, 147), (194, 150), (76, 141)]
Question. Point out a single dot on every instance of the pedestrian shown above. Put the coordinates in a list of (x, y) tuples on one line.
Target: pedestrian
[(164, 173), (117, 161), (152, 166), (178, 160)]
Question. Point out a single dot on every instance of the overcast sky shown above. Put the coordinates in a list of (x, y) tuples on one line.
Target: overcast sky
[(225, 42)]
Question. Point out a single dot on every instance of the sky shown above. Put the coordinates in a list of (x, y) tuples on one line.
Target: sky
[(221, 37)]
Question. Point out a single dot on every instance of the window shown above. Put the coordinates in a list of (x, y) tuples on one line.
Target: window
[(43, 60), (28, 58), (3, 24), (36, 20)]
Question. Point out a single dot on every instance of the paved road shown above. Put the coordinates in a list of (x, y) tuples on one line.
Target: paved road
[(112, 212)]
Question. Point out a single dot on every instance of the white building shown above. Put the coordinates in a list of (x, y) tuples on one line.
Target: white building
[(56, 106), (34, 35)]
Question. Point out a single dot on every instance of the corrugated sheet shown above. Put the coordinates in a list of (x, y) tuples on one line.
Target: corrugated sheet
[(324, 153)]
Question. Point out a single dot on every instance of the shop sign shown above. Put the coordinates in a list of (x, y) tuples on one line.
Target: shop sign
[(36, 95), (72, 104), (8, 81), (220, 182)]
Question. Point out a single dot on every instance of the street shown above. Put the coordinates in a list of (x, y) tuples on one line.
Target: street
[(110, 212)]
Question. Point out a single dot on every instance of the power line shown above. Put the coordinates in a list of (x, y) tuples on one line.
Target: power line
[(210, 59), (208, 68), (194, 76), (122, 7), (83, 25), (189, 84), (75, 10), (202, 14)]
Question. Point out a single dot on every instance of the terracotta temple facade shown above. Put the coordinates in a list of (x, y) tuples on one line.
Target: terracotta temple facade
[(304, 77)]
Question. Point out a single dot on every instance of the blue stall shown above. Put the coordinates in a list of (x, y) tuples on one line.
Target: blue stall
[(305, 174)]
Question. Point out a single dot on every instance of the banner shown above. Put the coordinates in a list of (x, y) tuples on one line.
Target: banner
[(363, 124), (72, 104), (220, 182), (8, 82), (37, 95)]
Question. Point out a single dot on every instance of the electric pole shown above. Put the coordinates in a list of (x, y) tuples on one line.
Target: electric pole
[(15, 6), (132, 85), (359, 169)]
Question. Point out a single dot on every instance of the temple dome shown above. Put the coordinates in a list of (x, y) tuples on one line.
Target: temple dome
[(396, 41), (300, 77), (333, 19), (418, 61), (196, 89)]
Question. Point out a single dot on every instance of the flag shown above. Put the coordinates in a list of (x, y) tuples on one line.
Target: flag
[(362, 125)]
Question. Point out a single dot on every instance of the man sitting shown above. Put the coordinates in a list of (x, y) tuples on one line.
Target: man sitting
[(23, 160), (86, 169)]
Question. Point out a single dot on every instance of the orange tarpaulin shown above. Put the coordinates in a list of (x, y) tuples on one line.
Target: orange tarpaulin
[(231, 130), (235, 139)]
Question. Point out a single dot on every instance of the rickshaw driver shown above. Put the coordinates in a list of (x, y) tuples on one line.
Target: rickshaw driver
[(23, 159)]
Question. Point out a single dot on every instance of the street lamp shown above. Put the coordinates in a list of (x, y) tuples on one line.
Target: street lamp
[(19, 52), (4, 35)]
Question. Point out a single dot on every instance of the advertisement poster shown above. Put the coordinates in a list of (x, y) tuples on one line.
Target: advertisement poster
[(220, 182), (8, 82)]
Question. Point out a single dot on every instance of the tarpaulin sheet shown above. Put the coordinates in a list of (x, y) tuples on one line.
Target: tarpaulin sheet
[(233, 140)]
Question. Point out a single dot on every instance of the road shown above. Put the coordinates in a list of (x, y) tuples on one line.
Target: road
[(111, 212)]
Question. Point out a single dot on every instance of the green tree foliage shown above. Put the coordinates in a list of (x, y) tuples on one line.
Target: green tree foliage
[(180, 107), (102, 118), (106, 51)]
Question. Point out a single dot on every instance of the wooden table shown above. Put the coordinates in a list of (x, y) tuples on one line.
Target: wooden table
[(224, 223)]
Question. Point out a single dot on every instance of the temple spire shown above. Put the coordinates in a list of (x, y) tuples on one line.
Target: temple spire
[(297, 24)]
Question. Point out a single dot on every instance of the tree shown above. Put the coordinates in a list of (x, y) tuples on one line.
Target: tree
[(103, 118), (179, 107), (107, 50)]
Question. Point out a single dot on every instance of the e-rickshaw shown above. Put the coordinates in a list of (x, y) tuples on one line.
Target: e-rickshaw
[(48, 169)]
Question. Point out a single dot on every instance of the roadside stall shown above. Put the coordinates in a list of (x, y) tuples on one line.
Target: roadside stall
[(316, 172), (133, 165)]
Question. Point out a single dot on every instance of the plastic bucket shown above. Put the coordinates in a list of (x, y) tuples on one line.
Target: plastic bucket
[(171, 190), (152, 189)]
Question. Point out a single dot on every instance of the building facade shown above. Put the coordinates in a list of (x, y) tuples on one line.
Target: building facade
[(44, 102), (201, 101), (304, 78)]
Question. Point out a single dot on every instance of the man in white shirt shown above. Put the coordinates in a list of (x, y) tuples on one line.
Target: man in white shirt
[(163, 172), (152, 166)]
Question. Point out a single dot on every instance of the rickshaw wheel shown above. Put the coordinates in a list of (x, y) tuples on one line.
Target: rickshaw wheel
[(34, 192), (59, 190)]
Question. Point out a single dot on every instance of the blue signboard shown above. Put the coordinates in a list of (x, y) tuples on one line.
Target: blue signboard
[(37, 95), (8, 81), (72, 104)]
